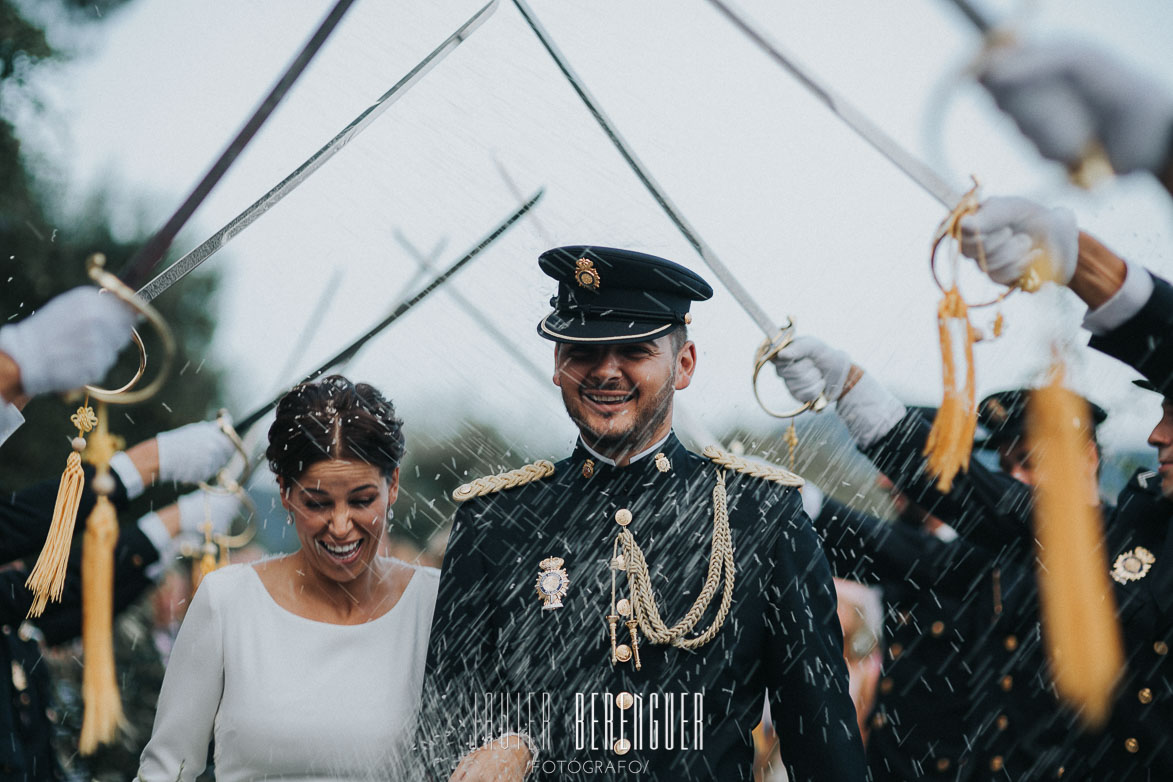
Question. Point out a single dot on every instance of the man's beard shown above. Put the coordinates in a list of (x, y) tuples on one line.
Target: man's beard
[(647, 420)]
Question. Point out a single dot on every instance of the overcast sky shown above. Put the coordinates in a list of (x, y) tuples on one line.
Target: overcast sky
[(812, 221)]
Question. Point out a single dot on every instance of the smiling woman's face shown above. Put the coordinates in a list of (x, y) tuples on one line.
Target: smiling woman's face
[(339, 508)]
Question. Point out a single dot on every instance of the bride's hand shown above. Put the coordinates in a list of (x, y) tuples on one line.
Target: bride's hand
[(504, 760)]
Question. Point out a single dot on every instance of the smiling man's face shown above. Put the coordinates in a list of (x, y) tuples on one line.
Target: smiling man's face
[(620, 395)]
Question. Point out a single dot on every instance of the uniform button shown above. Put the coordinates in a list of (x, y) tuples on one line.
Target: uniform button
[(1145, 695), (622, 747), (622, 653), (1160, 647), (894, 650), (943, 764), (1011, 643), (1007, 683), (937, 627), (136, 560), (1003, 722), (1132, 745), (996, 763), (1059, 774), (25, 698), (886, 685), (6, 629), (878, 721), (623, 517), (623, 607), (624, 700)]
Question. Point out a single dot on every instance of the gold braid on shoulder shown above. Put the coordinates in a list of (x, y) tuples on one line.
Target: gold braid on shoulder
[(506, 480), (763, 470)]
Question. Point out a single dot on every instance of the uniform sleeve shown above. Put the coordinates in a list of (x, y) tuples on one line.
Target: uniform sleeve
[(864, 548), (25, 515), (1145, 341), (810, 698), (988, 509), (191, 693), (461, 653), (133, 555)]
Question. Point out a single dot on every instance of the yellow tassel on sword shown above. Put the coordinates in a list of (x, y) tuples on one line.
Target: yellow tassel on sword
[(103, 704), (1080, 629), (47, 579)]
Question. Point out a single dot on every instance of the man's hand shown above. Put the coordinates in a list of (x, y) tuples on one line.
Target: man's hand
[(1016, 234), (505, 760), (810, 366), (193, 452), (72, 340), (1065, 97)]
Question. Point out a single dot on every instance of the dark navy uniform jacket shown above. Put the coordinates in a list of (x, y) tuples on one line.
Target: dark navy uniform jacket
[(994, 511), (781, 638), (25, 751)]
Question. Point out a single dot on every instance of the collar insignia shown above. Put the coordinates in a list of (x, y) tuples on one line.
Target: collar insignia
[(1133, 565), (552, 583), (586, 275), (663, 463), (588, 468)]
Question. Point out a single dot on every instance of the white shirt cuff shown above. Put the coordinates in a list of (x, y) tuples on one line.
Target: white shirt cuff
[(1124, 304), (10, 420), (122, 465), (152, 526)]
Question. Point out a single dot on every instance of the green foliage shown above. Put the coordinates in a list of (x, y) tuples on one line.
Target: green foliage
[(40, 257)]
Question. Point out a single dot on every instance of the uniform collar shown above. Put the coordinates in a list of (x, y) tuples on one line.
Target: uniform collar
[(660, 458)]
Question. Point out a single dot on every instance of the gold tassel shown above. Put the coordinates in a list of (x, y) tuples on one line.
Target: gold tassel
[(1078, 609), (950, 440), (103, 705), (47, 579)]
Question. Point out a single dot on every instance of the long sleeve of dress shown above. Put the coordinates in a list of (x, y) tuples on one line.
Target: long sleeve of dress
[(190, 698)]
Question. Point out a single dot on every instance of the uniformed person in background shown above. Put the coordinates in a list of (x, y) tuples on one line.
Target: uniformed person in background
[(963, 693), (187, 454), (621, 614), (1131, 318)]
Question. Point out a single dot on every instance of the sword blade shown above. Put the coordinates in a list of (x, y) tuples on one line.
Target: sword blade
[(152, 252), (916, 170), (402, 309), (767, 324), (213, 244)]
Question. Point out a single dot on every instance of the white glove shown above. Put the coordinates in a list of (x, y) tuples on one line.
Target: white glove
[(1015, 233), (72, 340), (193, 452), (808, 365), (1063, 98), (199, 507)]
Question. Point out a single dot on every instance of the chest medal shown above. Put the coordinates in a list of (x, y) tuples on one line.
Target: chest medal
[(552, 583), (1133, 565)]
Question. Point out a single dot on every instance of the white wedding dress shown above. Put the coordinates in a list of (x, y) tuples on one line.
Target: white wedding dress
[(287, 697)]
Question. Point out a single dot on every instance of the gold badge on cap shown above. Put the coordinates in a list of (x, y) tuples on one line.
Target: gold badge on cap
[(1133, 565), (552, 583), (996, 411), (586, 275)]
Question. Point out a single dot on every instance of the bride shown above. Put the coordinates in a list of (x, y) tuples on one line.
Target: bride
[(306, 666)]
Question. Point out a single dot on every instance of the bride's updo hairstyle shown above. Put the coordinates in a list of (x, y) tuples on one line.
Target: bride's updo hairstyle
[(334, 418)]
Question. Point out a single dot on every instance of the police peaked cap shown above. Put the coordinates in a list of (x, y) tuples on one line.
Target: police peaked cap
[(607, 295), (1002, 416)]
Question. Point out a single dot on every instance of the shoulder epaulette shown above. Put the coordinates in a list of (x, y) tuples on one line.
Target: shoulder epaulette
[(764, 470), (506, 480)]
